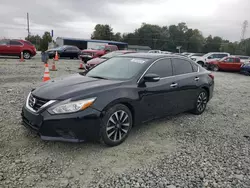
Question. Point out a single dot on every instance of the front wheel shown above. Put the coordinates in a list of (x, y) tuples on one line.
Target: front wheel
[(201, 102), (215, 68), (117, 123)]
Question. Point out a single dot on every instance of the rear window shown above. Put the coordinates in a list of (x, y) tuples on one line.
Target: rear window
[(28, 43)]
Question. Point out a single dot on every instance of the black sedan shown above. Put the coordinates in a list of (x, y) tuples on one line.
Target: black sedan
[(114, 96), (64, 52)]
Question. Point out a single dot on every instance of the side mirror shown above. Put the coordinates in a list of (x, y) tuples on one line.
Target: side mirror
[(151, 78), (209, 57), (107, 50)]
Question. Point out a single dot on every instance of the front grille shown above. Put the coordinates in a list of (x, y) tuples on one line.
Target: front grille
[(36, 103)]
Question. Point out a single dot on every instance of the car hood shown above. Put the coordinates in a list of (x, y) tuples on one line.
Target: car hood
[(53, 50), (95, 61), (73, 86)]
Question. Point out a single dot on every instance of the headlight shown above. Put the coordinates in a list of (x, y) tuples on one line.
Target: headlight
[(73, 106)]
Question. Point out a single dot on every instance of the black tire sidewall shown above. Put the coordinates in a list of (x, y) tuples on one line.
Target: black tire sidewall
[(215, 67), (109, 112)]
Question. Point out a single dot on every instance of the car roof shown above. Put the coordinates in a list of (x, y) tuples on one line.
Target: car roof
[(152, 56)]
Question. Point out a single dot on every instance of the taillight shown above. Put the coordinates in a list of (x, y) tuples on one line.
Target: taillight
[(211, 76)]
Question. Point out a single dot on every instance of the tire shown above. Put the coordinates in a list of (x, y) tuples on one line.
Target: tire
[(201, 63), (115, 130), (200, 102), (26, 55), (215, 68)]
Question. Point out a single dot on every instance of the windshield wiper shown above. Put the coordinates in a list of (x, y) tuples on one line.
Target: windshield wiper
[(98, 77)]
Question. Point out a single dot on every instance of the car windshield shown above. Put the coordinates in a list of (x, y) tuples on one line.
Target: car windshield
[(111, 54), (222, 59), (99, 47), (118, 68)]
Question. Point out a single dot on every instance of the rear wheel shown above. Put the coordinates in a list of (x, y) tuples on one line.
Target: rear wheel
[(201, 102), (26, 55), (117, 123)]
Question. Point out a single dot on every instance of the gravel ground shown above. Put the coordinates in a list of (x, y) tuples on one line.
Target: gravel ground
[(210, 150)]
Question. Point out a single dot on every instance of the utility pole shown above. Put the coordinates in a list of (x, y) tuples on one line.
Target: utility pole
[(28, 25)]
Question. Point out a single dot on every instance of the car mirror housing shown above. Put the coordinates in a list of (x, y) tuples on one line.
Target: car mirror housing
[(151, 78)]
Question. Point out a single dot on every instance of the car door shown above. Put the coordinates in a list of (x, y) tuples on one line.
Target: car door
[(158, 98), (187, 82), (237, 64), (225, 64), (4, 47), (15, 47)]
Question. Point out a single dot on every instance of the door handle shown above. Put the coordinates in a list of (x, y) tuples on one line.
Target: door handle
[(196, 78), (173, 85)]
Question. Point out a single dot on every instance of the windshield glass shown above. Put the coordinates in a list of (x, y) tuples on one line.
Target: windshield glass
[(99, 47), (118, 68), (111, 54), (222, 59)]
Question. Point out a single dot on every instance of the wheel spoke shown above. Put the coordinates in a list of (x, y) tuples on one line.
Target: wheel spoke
[(109, 128), (126, 117), (124, 130), (110, 134), (120, 135), (112, 120), (121, 116), (125, 124), (115, 137), (116, 116)]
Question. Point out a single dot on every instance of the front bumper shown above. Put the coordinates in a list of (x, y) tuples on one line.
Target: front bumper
[(74, 127)]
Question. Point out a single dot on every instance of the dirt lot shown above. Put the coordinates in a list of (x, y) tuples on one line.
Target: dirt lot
[(210, 150)]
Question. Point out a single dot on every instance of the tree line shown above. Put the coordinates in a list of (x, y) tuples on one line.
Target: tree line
[(167, 38)]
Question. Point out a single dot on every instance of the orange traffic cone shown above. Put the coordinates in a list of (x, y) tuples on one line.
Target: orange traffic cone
[(53, 66), (46, 76), (56, 57), (21, 59)]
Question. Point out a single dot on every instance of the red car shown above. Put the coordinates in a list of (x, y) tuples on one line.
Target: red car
[(97, 51), (15, 47), (227, 63), (93, 62)]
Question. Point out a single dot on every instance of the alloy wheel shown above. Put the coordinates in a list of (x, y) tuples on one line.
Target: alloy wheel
[(26, 55), (202, 101), (118, 125)]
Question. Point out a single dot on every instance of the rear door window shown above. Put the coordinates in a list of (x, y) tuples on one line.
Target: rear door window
[(163, 68), (15, 43), (181, 66)]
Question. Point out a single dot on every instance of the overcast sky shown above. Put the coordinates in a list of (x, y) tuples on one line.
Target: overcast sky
[(77, 18)]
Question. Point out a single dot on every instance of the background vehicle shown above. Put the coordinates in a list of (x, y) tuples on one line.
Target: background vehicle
[(15, 47), (195, 55), (243, 59), (83, 44), (227, 63), (115, 95), (212, 56), (245, 68), (97, 51), (154, 51), (93, 62), (64, 51)]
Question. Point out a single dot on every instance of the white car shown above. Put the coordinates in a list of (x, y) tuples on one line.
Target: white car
[(203, 60), (154, 51)]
